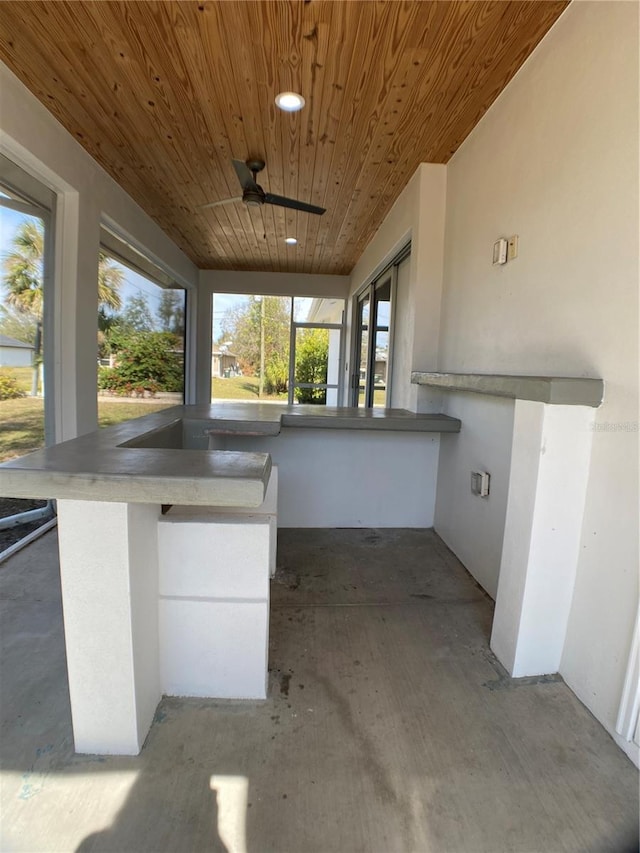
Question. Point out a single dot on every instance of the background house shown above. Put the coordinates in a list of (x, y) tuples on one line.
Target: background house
[(15, 353), (223, 363), (554, 160)]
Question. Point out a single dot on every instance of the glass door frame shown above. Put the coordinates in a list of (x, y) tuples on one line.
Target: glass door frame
[(370, 293), (292, 357)]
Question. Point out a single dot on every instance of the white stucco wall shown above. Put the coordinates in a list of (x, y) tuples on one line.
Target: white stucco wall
[(555, 160), (472, 526), (349, 478), (36, 141)]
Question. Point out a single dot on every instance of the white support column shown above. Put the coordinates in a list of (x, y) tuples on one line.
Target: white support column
[(547, 487), (109, 572)]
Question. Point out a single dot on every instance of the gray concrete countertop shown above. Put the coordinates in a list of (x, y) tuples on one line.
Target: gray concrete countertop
[(271, 418), (163, 457), (559, 390)]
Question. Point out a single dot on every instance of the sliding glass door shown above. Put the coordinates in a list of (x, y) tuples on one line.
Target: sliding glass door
[(372, 348)]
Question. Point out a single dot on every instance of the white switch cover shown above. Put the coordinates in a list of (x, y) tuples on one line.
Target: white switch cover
[(500, 251), (512, 250), (480, 483)]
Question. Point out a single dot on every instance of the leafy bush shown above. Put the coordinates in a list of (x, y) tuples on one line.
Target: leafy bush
[(312, 356), (110, 379), (276, 373), (9, 388), (146, 361)]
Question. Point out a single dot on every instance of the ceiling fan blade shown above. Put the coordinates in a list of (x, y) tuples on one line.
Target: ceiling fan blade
[(280, 200), (220, 203), (244, 175)]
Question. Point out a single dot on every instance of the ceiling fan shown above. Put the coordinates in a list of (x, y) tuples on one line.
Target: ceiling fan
[(253, 194)]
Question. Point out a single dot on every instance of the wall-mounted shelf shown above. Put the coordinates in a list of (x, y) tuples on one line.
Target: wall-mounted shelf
[(559, 390)]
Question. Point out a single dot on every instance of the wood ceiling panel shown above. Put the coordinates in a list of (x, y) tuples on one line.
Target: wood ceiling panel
[(165, 94)]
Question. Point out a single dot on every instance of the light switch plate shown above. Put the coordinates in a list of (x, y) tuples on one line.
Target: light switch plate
[(500, 251), (480, 483)]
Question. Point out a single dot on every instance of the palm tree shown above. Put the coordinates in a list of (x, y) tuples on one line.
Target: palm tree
[(23, 272), (23, 268), (23, 280), (110, 278)]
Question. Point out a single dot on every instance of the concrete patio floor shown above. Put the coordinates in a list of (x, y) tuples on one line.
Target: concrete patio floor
[(389, 726)]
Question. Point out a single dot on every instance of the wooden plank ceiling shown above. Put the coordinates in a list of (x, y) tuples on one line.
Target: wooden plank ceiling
[(164, 94)]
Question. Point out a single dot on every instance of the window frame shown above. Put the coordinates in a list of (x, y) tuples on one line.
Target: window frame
[(388, 274), (337, 386)]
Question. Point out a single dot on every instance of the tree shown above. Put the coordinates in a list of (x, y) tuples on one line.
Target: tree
[(23, 271), (23, 268), (16, 324), (110, 278), (171, 312), (243, 325), (136, 316)]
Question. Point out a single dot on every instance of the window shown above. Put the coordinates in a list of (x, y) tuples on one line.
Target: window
[(373, 339), (26, 317), (277, 348), (141, 333)]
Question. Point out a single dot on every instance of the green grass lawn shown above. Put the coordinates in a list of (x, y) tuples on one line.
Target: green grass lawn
[(22, 421), (240, 388)]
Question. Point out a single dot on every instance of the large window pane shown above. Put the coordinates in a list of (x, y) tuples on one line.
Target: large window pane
[(362, 351), (373, 339), (141, 338), (250, 348), (276, 348), (22, 387), (26, 421), (382, 297)]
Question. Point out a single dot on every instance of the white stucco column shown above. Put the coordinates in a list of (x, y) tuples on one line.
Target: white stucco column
[(109, 573), (547, 488)]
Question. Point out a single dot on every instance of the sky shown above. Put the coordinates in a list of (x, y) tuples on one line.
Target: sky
[(132, 285), (223, 302)]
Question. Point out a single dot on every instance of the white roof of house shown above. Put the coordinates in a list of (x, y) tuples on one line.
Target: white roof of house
[(6, 341)]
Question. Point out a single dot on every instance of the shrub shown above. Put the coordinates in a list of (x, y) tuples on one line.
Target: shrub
[(312, 354), (9, 388), (276, 374), (146, 361)]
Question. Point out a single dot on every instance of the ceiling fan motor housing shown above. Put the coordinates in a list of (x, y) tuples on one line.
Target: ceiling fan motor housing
[(253, 197)]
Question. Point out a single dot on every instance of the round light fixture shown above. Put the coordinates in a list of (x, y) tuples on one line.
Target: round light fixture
[(290, 241), (290, 102)]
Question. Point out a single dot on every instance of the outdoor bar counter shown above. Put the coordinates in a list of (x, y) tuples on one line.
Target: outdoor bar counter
[(167, 527), (139, 461)]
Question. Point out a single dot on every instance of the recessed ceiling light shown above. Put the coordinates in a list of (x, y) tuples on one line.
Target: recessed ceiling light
[(290, 102), (290, 241)]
